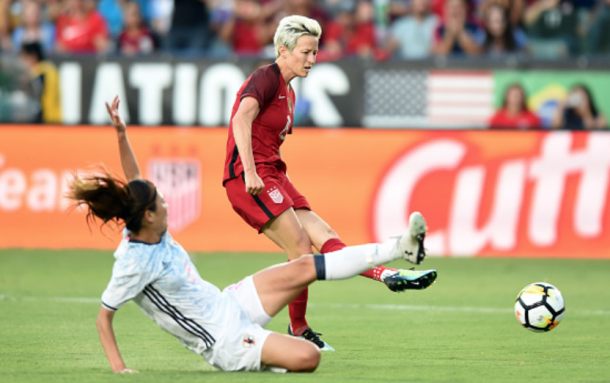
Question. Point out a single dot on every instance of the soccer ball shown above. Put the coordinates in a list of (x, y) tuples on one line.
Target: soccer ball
[(539, 307)]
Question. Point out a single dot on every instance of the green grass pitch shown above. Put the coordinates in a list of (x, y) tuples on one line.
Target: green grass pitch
[(462, 329)]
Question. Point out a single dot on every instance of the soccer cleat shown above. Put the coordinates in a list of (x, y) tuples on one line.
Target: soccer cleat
[(402, 280), (313, 337), (411, 244)]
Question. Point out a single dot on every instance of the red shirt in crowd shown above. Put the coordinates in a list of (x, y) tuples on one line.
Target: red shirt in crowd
[(140, 41), (524, 120), (362, 36), (246, 38), (270, 127), (78, 35)]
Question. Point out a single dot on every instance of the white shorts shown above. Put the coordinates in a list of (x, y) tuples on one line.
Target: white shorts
[(240, 345)]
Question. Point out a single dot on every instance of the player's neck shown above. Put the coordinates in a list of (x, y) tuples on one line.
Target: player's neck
[(147, 236), (286, 73)]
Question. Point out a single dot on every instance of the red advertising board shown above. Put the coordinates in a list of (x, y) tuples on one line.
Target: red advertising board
[(487, 193)]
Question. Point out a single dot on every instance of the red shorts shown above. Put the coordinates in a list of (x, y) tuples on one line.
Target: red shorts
[(278, 196)]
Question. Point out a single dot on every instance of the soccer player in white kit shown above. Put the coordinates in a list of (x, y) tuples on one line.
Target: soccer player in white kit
[(225, 327)]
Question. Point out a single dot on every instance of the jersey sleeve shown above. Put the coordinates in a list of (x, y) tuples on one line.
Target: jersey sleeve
[(130, 275), (262, 86)]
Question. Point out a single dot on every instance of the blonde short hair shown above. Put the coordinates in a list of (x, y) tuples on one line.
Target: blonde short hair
[(293, 27)]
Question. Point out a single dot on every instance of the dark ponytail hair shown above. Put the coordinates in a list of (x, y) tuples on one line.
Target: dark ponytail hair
[(111, 199)]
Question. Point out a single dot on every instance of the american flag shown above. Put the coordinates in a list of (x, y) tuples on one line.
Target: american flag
[(408, 98)]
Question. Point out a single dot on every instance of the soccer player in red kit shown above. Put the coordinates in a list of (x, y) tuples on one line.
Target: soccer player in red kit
[(255, 175)]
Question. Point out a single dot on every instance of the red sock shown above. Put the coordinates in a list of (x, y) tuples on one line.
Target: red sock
[(376, 272), (298, 307), (335, 244), (296, 310)]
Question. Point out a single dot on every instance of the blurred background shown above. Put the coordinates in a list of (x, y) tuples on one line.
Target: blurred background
[(489, 116), (382, 63)]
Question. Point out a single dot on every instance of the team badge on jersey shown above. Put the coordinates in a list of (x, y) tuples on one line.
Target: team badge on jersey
[(180, 181), (275, 195), (249, 341)]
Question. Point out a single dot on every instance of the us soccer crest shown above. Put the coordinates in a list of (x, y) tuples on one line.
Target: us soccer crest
[(249, 341), (275, 195), (180, 182)]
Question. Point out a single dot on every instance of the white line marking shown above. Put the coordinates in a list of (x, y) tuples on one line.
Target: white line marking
[(51, 299), (484, 310), (356, 306), (68, 299)]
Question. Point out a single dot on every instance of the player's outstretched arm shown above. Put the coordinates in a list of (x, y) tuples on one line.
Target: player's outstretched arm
[(128, 159), (106, 332)]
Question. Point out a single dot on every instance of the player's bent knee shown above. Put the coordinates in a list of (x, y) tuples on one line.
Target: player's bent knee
[(308, 359), (303, 242), (301, 246)]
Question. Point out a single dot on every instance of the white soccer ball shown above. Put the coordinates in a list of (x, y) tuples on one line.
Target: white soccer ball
[(539, 307)]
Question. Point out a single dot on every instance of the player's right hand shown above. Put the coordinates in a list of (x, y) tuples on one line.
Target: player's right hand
[(254, 184)]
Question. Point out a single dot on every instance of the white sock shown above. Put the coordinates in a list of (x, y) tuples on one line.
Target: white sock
[(353, 260)]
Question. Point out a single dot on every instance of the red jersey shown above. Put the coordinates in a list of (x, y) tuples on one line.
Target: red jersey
[(270, 127), (77, 35), (524, 120)]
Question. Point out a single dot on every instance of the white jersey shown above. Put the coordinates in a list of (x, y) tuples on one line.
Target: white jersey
[(163, 282)]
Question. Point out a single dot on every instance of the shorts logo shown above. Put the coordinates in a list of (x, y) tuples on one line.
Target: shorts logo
[(249, 341), (275, 195)]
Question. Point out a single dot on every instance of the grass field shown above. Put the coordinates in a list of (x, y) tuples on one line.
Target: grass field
[(462, 329)]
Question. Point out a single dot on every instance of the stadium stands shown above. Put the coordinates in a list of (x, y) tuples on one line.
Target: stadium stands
[(541, 28), (419, 38)]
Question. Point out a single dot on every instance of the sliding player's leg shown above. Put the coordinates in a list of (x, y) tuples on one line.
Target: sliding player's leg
[(326, 240), (293, 354)]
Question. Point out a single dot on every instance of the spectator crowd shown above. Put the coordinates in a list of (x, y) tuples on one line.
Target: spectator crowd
[(365, 29), (370, 29)]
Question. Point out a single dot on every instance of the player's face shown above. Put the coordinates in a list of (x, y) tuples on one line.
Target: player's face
[(160, 222), (303, 56)]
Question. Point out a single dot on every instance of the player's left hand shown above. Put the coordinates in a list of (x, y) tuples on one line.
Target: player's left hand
[(115, 116)]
